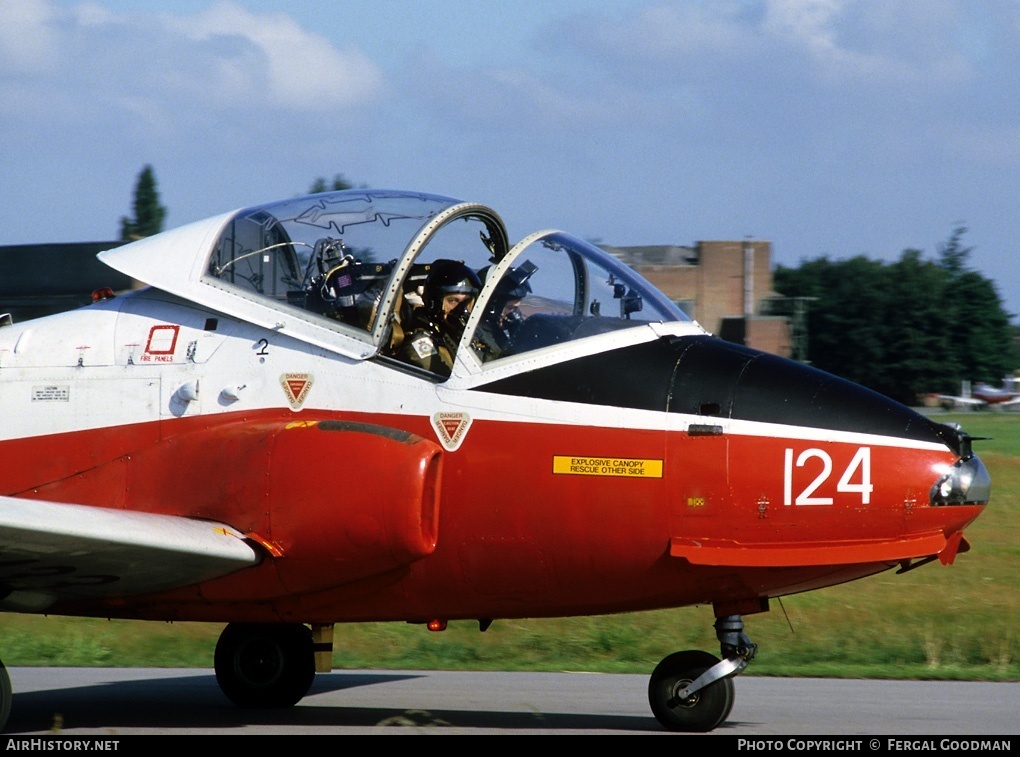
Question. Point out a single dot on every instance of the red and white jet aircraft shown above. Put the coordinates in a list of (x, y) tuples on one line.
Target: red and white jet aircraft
[(983, 395), (240, 442)]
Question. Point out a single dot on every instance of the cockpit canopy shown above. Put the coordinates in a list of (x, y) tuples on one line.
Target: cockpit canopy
[(353, 264)]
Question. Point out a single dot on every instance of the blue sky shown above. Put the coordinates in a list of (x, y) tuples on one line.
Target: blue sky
[(829, 127)]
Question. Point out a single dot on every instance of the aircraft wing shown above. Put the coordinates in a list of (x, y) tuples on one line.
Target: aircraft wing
[(51, 551)]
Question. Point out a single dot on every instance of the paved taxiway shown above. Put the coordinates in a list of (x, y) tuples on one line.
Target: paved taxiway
[(110, 702)]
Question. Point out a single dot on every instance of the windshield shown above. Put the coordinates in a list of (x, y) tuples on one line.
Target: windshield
[(553, 288)]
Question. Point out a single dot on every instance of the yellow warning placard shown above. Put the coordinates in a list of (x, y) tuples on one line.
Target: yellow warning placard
[(607, 466)]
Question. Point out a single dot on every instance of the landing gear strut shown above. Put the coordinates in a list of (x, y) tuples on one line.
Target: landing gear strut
[(6, 696), (265, 665), (693, 690)]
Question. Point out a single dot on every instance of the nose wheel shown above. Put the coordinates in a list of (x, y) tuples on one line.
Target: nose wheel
[(693, 691), (699, 711)]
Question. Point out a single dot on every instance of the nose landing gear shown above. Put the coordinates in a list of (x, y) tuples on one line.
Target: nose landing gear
[(693, 690)]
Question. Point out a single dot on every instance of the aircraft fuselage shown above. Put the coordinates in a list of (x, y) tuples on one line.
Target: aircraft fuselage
[(543, 505)]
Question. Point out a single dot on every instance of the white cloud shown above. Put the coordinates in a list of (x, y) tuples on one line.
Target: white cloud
[(807, 21), (829, 42), (28, 41), (302, 69), (224, 57), (94, 14), (894, 42), (662, 39), (690, 30)]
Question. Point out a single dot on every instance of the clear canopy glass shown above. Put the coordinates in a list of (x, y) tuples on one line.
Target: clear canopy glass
[(357, 262)]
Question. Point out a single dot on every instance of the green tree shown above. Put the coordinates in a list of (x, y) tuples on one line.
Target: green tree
[(915, 324), (149, 214), (953, 255), (982, 344), (845, 334), (339, 182), (906, 328)]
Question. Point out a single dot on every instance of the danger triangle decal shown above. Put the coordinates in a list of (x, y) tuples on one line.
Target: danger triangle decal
[(451, 428), (296, 386)]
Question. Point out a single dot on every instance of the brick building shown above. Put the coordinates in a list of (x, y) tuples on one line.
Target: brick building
[(724, 286)]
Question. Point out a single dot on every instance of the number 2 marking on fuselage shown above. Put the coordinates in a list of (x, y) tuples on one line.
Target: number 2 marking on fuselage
[(858, 470)]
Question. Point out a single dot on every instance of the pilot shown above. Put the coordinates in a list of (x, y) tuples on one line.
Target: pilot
[(503, 314), (436, 327)]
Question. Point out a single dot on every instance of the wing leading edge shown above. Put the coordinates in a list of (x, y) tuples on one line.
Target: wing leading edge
[(51, 552)]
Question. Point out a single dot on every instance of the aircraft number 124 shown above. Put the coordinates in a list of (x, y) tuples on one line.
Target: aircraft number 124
[(855, 479)]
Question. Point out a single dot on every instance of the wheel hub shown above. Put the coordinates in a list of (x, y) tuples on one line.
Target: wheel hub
[(259, 662), (691, 700)]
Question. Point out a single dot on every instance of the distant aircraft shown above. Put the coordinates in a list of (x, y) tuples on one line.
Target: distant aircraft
[(370, 406), (983, 395)]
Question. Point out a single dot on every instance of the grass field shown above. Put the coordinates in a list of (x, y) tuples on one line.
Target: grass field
[(945, 622)]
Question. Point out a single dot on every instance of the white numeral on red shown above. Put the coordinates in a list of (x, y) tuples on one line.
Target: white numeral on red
[(856, 479)]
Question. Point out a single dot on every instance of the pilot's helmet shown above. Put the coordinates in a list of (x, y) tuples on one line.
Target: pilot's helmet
[(448, 277), (512, 288)]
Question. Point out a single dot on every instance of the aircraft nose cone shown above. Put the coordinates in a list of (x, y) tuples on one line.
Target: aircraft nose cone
[(718, 378)]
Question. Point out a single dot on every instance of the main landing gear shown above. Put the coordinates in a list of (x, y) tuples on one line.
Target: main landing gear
[(693, 690), (265, 665)]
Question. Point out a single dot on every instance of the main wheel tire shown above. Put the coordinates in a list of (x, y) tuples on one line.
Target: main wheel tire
[(703, 710), (265, 665), (6, 696)]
